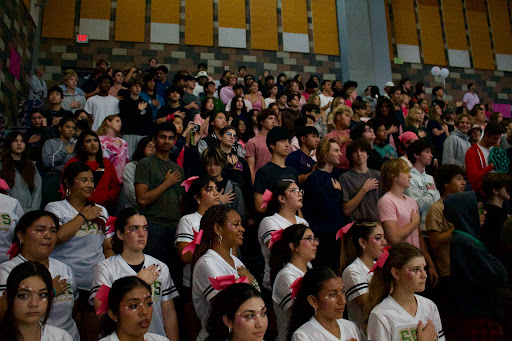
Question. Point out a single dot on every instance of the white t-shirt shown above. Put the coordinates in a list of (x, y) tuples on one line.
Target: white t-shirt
[(147, 337), (10, 213), (282, 297), (356, 279), (60, 315), (211, 264), (389, 321), (313, 331), (324, 100), (185, 234), (100, 107), (268, 101), (163, 289), (85, 249), (267, 226), (51, 333)]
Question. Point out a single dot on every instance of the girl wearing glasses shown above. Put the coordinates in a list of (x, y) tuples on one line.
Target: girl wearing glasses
[(223, 231), (36, 237), (281, 213), (128, 243), (317, 313), (290, 259), (131, 311), (82, 240)]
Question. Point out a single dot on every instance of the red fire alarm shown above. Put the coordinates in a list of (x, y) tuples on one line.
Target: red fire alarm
[(82, 38)]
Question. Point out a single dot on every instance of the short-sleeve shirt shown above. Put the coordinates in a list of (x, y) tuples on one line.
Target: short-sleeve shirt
[(85, 249), (62, 308), (471, 99), (10, 212), (356, 278), (51, 333), (314, 331), (257, 148), (351, 183), (437, 222), (147, 337), (391, 208), (162, 289), (390, 322), (185, 234), (165, 210), (302, 163), (270, 174), (100, 107)]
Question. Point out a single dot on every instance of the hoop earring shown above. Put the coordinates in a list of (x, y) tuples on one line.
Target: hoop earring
[(219, 236), (68, 192)]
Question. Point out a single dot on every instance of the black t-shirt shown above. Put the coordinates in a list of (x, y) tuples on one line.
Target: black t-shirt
[(268, 175), (167, 110), (302, 163), (135, 121), (137, 267)]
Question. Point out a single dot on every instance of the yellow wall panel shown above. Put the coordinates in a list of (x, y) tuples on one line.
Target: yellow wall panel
[(199, 22), (95, 9), (431, 32), (404, 20), (294, 14), (388, 24), (130, 20), (232, 13), (325, 27), (59, 19), (264, 25), (479, 35), (454, 25), (500, 22), (165, 11)]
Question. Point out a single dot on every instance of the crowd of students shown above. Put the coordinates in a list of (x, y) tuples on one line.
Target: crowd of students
[(142, 208)]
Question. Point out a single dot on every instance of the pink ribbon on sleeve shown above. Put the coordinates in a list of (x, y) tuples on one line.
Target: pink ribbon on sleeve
[(102, 296), (111, 221), (187, 183), (344, 230), (3, 185), (14, 250), (276, 236), (222, 282), (267, 196), (193, 244), (381, 260), (295, 287)]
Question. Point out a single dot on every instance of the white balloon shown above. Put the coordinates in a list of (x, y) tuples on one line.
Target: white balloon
[(436, 71), (444, 72)]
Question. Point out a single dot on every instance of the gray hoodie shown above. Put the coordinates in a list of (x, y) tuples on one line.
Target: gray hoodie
[(55, 155), (455, 148)]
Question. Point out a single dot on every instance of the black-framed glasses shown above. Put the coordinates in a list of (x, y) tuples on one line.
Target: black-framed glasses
[(311, 239)]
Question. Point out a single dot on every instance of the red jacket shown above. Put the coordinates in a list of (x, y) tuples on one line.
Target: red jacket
[(108, 189), (475, 169)]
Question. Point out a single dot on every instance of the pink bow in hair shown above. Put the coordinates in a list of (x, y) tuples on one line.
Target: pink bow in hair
[(111, 224), (344, 230), (14, 250), (193, 244), (170, 117), (187, 183), (276, 236), (3, 185), (102, 296), (222, 282), (382, 259), (295, 287), (267, 196), (62, 190)]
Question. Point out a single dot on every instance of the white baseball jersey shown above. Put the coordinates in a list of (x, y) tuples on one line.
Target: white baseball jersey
[(356, 279), (163, 289), (267, 226), (147, 337), (390, 322), (10, 213), (51, 333), (60, 315), (313, 331), (185, 234), (281, 295), (85, 249), (211, 264)]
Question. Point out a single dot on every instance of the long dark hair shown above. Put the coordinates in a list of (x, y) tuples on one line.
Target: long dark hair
[(279, 188), (226, 303), (350, 247), (189, 203), (213, 116), (312, 283), (232, 111), (8, 325), (206, 113), (141, 146), (280, 253), (120, 224), (81, 154), (390, 119), (27, 169)]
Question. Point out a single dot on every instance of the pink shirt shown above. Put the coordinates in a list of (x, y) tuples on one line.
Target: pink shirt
[(343, 159), (257, 148), (115, 149), (391, 208)]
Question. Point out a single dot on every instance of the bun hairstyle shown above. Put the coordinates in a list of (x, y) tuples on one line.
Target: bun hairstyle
[(350, 247), (120, 224)]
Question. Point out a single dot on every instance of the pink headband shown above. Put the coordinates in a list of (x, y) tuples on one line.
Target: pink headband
[(187, 183), (344, 230), (382, 259), (276, 236), (267, 196), (193, 244), (222, 282)]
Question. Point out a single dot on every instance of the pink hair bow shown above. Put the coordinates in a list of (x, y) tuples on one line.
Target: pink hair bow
[(344, 230), (276, 236), (295, 287), (3, 185), (382, 259), (170, 117), (14, 250), (111, 224), (222, 282), (267, 196), (102, 296), (187, 183), (62, 190), (193, 244)]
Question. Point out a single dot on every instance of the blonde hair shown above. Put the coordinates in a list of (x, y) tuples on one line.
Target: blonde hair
[(390, 170), (341, 108), (322, 151), (70, 73), (312, 97), (412, 115), (102, 130)]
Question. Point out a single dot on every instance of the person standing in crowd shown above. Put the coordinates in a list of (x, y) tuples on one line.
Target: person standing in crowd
[(457, 144), (101, 105), (301, 160), (190, 101), (10, 211), (149, 95), (117, 87), (325, 96), (342, 117), (56, 112), (258, 153), (38, 91), (226, 93), (114, 148), (173, 94), (470, 98), (145, 148), (162, 83), (73, 99)]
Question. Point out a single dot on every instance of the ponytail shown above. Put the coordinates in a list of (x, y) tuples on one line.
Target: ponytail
[(350, 247)]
